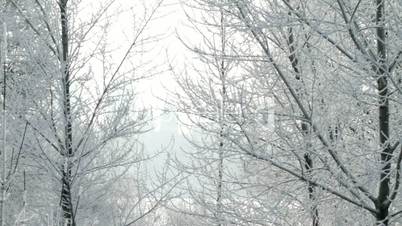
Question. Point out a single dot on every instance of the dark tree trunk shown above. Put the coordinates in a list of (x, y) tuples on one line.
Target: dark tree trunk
[(383, 203), (382, 215), (311, 191), (66, 201), (66, 195)]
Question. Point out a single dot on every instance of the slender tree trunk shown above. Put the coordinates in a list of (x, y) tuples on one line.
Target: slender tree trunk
[(4, 153), (221, 121), (383, 202), (66, 196), (311, 190), (308, 165), (220, 181)]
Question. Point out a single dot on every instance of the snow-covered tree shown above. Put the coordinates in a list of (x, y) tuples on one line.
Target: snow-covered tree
[(332, 70)]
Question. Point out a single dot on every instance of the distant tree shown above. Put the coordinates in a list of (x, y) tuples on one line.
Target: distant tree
[(202, 99), (208, 103)]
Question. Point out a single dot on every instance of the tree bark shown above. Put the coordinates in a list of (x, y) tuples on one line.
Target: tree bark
[(66, 201), (383, 203), (66, 195)]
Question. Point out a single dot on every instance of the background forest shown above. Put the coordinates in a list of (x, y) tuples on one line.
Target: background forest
[(284, 112)]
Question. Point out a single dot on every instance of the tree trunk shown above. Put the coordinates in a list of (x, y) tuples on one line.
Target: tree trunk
[(382, 215), (220, 181), (311, 190), (308, 165), (66, 200), (4, 122), (222, 113), (383, 203), (66, 195)]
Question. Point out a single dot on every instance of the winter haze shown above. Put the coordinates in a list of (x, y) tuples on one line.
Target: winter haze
[(200, 112)]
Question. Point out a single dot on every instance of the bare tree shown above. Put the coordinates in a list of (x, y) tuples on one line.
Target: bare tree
[(351, 59), (88, 124), (205, 110), (319, 61)]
